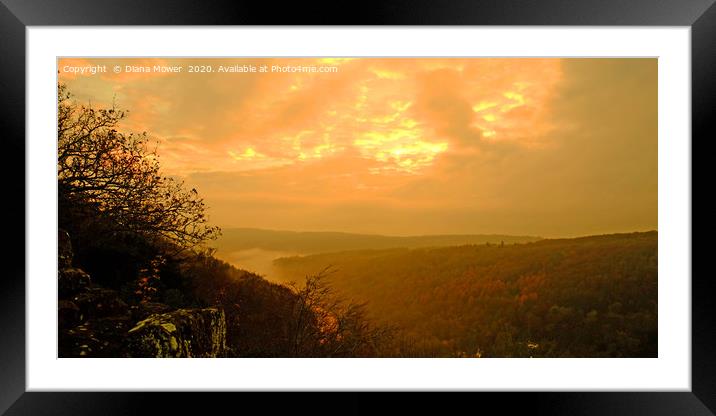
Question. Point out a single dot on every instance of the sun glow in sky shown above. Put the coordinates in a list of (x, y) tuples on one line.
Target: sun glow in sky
[(402, 145)]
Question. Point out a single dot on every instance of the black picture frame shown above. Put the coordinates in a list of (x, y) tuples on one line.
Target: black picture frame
[(15, 15)]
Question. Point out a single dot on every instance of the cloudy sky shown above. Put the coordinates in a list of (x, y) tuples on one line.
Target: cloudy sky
[(549, 147)]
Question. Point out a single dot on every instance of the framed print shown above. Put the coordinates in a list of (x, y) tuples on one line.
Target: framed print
[(497, 201)]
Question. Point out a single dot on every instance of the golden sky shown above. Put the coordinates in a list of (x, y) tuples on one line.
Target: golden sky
[(550, 147)]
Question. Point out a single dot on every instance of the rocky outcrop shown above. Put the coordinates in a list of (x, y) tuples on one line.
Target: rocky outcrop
[(101, 337), (98, 302), (96, 322), (71, 281), (144, 309), (182, 333), (93, 323), (68, 314)]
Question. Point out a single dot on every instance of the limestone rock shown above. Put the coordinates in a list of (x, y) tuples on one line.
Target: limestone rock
[(182, 333), (71, 281)]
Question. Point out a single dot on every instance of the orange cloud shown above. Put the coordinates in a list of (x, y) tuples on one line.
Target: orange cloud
[(435, 134)]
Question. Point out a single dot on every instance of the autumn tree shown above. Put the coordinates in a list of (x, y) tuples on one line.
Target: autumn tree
[(113, 179), (326, 325)]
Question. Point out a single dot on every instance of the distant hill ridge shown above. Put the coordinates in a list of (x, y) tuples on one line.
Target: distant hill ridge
[(235, 239), (452, 249)]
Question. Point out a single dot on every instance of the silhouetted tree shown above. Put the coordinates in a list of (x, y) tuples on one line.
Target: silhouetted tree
[(325, 325), (111, 178)]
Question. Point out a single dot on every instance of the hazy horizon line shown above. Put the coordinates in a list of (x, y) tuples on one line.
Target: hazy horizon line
[(441, 234)]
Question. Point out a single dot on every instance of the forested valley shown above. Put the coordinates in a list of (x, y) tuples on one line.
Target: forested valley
[(583, 297)]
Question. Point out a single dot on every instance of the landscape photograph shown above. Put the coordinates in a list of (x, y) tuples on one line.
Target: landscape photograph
[(349, 207)]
